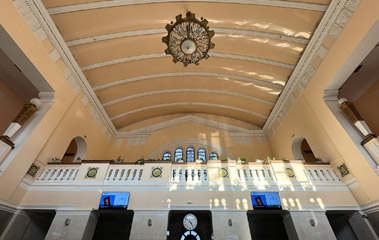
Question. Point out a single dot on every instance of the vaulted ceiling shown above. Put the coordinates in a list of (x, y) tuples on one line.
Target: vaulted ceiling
[(118, 46)]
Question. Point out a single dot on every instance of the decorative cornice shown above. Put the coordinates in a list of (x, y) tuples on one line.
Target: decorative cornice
[(181, 74), (118, 3), (304, 71), (251, 33), (118, 100), (161, 55), (188, 104)]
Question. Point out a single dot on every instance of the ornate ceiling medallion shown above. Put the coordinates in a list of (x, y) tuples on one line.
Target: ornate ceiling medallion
[(188, 39)]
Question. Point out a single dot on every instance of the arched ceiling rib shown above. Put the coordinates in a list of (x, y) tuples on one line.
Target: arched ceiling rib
[(117, 45)]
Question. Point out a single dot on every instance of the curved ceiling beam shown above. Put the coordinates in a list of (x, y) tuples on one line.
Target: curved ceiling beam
[(111, 36), (177, 74), (161, 55), (185, 90), (188, 104), (118, 3)]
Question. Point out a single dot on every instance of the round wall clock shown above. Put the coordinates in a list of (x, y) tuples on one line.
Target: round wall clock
[(92, 172), (190, 221), (223, 172), (156, 172), (290, 173)]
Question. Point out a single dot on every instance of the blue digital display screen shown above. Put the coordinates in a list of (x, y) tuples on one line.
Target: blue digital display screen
[(111, 200), (266, 200)]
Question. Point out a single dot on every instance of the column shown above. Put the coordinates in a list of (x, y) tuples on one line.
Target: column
[(370, 141), (308, 226), (361, 226), (230, 225), (72, 225), (150, 225)]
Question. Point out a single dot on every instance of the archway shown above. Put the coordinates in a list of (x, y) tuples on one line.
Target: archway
[(302, 151), (76, 151)]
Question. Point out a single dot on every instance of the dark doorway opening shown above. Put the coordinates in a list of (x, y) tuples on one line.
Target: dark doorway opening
[(267, 225), (339, 221), (113, 224), (176, 228), (38, 225)]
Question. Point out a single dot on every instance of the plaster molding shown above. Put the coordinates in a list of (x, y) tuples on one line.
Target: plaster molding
[(77, 79), (118, 100), (233, 130), (8, 207), (371, 207), (163, 55), (179, 74), (212, 105), (251, 33), (118, 3), (304, 65), (211, 145), (139, 140)]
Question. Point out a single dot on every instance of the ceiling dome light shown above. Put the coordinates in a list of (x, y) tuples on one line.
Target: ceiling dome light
[(188, 39)]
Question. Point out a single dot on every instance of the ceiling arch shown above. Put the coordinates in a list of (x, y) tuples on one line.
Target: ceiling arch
[(118, 47)]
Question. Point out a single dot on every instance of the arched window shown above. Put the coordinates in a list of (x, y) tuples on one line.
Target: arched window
[(178, 154), (166, 156), (201, 154), (76, 151), (213, 156), (190, 154)]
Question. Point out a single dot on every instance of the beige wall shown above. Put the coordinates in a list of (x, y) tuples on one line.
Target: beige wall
[(184, 131), (368, 107), (312, 119), (66, 118), (10, 104)]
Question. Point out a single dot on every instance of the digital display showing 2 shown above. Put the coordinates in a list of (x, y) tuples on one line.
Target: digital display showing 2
[(114, 200), (266, 200)]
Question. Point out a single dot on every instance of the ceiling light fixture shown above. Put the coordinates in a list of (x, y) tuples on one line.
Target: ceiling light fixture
[(188, 39)]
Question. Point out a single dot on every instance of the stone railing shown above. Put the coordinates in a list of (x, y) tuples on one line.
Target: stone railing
[(214, 173), (58, 174)]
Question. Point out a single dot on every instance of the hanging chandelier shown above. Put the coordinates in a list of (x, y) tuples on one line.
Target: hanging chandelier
[(188, 39)]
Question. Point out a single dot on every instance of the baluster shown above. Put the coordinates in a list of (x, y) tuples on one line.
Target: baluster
[(122, 175), (109, 174), (59, 176), (134, 174), (64, 176), (251, 174), (140, 174), (173, 174), (260, 175), (239, 174), (244, 174), (53, 175), (115, 175), (111, 178), (255, 175), (75, 173), (199, 174), (318, 178), (69, 174), (333, 175), (311, 174), (205, 175), (186, 174), (322, 175), (128, 174), (180, 174), (43, 175), (193, 174), (269, 174)]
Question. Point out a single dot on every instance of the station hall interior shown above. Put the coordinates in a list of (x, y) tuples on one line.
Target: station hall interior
[(191, 119)]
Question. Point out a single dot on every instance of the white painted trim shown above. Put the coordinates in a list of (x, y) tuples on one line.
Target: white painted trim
[(118, 3), (48, 25), (304, 68), (213, 146), (187, 104), (161, 55), (251, 33), (185, 119), (118, 100), (180, 74)]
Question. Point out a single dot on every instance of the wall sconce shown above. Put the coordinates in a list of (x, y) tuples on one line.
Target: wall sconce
[(230, 222), (149, 222)]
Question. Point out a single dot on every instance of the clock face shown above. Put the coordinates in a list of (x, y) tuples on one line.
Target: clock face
[(157, 172), (190, 221)]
